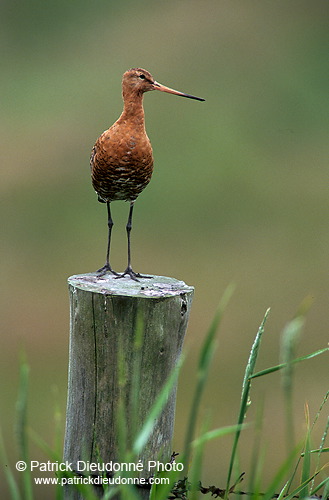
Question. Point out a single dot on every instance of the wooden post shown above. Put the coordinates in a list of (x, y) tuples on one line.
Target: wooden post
[(104, 315)]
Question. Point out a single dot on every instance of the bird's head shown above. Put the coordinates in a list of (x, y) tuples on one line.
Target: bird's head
[(138, 81)]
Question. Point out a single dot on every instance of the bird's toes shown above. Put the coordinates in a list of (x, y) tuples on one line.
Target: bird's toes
[(106, 269), (130, 273), (134, 276)]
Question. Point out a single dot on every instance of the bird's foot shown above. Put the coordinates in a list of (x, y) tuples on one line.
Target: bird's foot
[(106, 269), (134, 276)]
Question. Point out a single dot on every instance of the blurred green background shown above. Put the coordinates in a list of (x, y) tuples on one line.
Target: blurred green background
[(239, 193)]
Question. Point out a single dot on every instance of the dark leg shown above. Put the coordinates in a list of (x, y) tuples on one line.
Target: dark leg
[(129, 270), (107, 267)]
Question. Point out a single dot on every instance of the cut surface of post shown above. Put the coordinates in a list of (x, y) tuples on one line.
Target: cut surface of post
[(125, 339)]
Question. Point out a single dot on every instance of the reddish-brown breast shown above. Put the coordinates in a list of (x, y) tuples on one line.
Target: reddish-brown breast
[(121, 164)]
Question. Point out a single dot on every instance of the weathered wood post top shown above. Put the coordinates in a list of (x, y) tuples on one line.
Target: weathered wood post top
[(109, 370), (152, 286)]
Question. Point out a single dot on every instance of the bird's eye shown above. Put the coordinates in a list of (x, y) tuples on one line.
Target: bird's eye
[(142, 77)]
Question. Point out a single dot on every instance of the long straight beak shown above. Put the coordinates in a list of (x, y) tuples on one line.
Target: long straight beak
[(162, 88)]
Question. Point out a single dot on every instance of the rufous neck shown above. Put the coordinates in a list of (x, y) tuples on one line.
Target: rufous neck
[(133, 108)]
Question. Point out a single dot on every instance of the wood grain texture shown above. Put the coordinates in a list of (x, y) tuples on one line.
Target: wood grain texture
[(104, 312)]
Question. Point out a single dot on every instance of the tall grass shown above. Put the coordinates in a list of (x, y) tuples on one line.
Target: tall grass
[(187, 485)]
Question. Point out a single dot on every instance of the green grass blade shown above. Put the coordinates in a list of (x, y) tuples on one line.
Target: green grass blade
[(284, 365), (206, 348), (324, 401), (110, 493), (325, 484), (206, 355), (12, 484), (85, 490), (217, 433), (283, 490), (321, 449), (21, 426), (196, 466), (300, 488), (326, 489), (245, 395), (258, 454), (21, 410), (198, 445), (41, 443), (58, 438), (283, 472), (253, 356), (128, 492), (304, 492), (289, 341), (162, 491), (156, 409)]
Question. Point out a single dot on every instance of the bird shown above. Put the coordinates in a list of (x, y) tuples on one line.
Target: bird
[(121, 160)]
